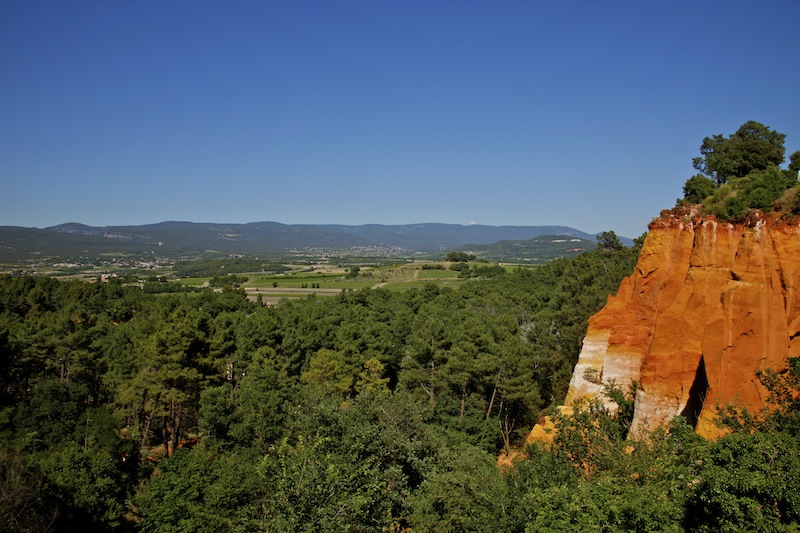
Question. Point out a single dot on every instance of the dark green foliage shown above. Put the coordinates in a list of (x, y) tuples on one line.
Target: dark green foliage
[(223, 267), (591, 479), (604, 505), (202, 490), (783, 411), (25, 503), (461, 493), (163, 286), (794, 161), (480, 271), (88, 485), (353, 272), (742, 172), (375, 410), (749, 482), (102, 371), (758, 190), (609, 242), (352, 467), (752, 147), (82, 470), (460, 257), (698, 188), (750, 479), (250, 414), (53, 413)]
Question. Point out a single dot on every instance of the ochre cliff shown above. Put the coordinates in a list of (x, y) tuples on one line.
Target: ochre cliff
[(709, 305)]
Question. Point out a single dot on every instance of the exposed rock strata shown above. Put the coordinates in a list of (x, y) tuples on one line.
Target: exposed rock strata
[(709, 305)]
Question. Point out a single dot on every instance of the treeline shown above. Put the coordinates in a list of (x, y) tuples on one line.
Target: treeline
[(372, 411), (230, 265)]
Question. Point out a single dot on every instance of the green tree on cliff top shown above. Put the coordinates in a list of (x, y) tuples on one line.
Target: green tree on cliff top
[(753, 147), (742, 172)]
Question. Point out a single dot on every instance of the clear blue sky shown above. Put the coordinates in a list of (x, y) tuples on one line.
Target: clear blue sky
[(584, 114)]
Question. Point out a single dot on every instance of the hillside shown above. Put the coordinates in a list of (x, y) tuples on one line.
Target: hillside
[(536, 251), (171, 239)]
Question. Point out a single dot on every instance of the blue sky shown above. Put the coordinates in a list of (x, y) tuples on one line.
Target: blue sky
[(584, 114)]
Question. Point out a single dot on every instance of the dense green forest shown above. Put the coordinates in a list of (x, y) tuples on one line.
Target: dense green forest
[(373, 411)]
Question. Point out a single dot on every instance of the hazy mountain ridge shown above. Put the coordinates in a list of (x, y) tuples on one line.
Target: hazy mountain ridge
[(188, 238), (537, 250)]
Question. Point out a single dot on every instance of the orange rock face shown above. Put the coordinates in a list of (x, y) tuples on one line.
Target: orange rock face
[(708, 306)]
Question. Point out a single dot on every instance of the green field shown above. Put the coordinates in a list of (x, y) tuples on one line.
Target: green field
[(303, 281), (194, 282), (437, 274), (404, 286)]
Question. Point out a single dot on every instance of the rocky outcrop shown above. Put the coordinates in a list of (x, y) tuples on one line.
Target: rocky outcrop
[(709, 305)]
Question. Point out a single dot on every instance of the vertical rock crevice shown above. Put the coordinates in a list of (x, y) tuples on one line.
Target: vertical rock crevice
[(697, 395)]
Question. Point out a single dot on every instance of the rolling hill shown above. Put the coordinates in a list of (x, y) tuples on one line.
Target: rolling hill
[(173, 239), (535, 251)]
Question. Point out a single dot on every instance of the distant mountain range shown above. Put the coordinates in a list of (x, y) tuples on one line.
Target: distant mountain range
[(192, 239)]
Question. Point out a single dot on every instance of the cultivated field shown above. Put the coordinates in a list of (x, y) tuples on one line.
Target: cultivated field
[(330, 281)]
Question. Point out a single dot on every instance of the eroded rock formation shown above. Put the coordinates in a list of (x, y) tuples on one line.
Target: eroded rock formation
[(709, 304)]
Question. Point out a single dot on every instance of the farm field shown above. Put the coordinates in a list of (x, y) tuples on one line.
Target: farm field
[(330, 281)]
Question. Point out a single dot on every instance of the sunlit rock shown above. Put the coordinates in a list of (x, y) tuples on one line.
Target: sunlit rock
[(708, 306)]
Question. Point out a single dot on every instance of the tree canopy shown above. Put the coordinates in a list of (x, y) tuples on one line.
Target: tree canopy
[(742, 172), (752, 147), (204, 411)]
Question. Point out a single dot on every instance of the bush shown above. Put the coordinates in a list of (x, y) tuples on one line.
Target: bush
[(789, 202), (698, 188), (741, 172), (749, 483), (460, 257)]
